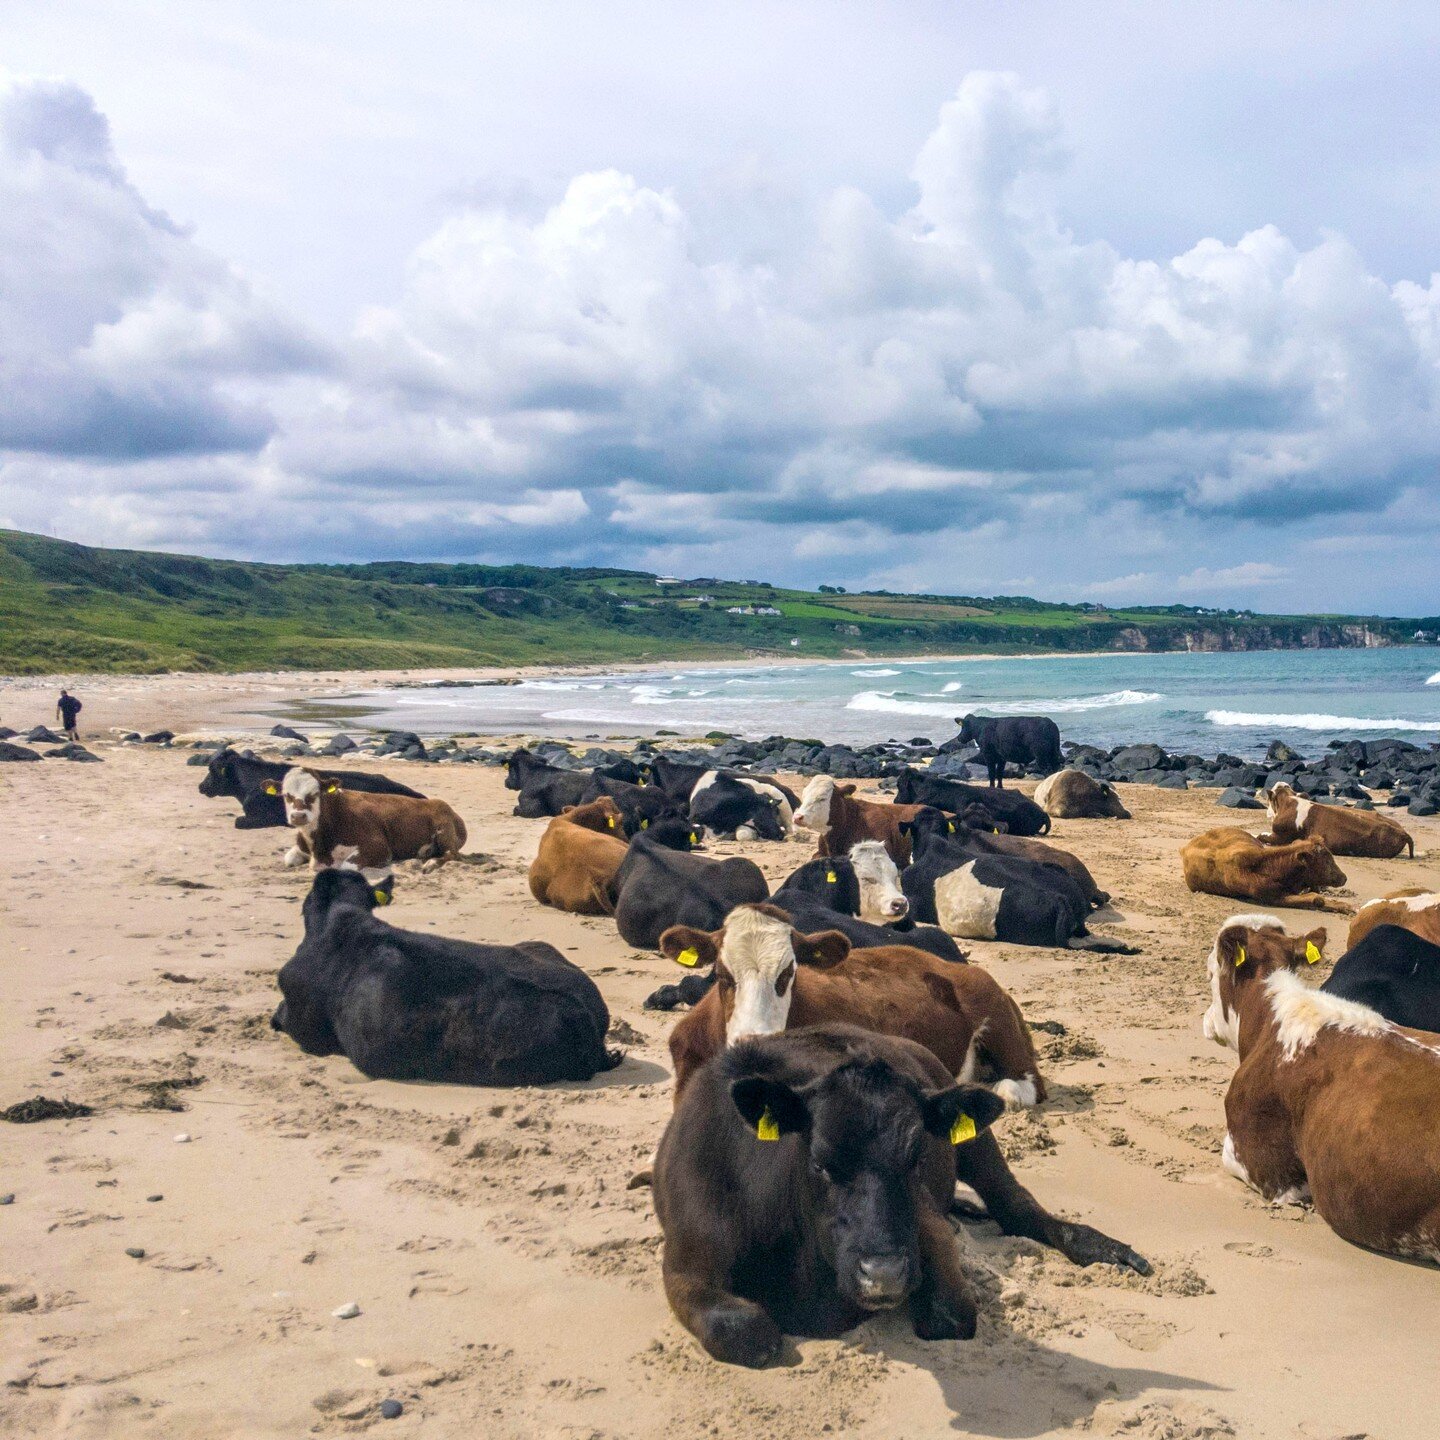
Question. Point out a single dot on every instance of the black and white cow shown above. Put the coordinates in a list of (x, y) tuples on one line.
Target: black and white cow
[(256, 785), (1394, 972), (739, 808), (1020, 815), (1028, 740), (406, 1006), (977, 895)]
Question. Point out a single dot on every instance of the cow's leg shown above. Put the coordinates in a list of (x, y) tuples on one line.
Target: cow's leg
[(1309, 900), (731, 1329), (942, 1307), (980, 1165)]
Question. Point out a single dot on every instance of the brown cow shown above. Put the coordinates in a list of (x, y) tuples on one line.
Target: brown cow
[(1414, 909), (1330, 1102), (839, 820), (770, 977), (1231, 861), (1343, 831), (369, 831), (579, 856)]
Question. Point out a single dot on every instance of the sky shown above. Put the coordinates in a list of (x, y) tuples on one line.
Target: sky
[(1118, 302)]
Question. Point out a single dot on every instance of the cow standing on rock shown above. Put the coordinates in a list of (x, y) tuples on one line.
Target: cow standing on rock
[(1025, 739)]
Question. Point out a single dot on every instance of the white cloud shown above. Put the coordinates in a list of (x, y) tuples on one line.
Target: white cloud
[(1245, 576)]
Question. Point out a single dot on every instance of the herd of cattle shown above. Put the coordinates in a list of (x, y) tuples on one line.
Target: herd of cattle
[(842, 1062)]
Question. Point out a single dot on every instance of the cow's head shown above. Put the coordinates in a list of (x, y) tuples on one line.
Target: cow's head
[(765, 822), (1248, 949), (1106, 803), (754, 954), (670, 828), (301, 791), (602, 815), (814, 811), (868, 1131), (343, 886), (1282, 804), (219, 774), (970, 728), (977, 817), (519, 765), (929, 825), (830, 879), (881, 898), (1318, 864)]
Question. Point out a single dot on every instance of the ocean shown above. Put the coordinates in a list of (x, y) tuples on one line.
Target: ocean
[(1190, 703)]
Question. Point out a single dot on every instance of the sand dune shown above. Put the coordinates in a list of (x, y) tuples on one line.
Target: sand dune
[(507, 1281)]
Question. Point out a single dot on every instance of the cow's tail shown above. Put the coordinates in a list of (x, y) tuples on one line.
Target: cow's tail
[(1045, 828), (1097, 946), (1410, 841)]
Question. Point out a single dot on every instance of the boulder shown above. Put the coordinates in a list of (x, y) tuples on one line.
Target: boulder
[(1237, 799), (10, 752), (284, 732), (1138, 758), (1279, 752)]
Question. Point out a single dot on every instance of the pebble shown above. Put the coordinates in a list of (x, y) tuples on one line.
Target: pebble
[(391, 1409), (8, 1198), (183, 1138), (347, 1311), (135, 1252), (153, 1198)]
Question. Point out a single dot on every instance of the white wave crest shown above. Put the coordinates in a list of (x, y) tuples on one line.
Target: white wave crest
[(869, 674), (1434, 679), (1314, 722), (885, 701), (951, 688)]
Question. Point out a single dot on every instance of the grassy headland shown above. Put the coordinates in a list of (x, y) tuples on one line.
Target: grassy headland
[(67, 607)]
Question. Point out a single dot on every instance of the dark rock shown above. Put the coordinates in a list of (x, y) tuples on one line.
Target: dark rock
[(43, 735), (73, 752), (1138, 758), (16, 752), (160, 737), (1173, 781), (8, 1198), (134, 1252), (920, 740), (1236, 799), (391, 1409), (1379, 778), (339, 744), (1279, 752), (284, 732), (1399, 797), (6, 733), (1147, 777), (1422, 805)]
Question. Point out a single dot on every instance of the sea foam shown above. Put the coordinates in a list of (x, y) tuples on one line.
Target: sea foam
[(1313, 722)]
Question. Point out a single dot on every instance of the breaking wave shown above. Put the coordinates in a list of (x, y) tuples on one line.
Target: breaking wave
[(887, 702), (1314, 722)]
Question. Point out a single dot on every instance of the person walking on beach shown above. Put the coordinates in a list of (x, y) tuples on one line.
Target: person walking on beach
[(67, 709)]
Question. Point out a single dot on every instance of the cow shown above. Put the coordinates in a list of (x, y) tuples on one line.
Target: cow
[(834, 893), (333, 826), (735, 807), (256, 785), (1024, 847), (1074, 795), (546, 790), (656, 888), (1416, 910), (640, 805), (803, 1183), (839, 820), (978, 895), (1231, 861), (580, 854), (1028, 740), (1393, 971), (1330, 1102), (405, 1006), (678, 780), (1020, 814), (1343, 831), (770, 977)]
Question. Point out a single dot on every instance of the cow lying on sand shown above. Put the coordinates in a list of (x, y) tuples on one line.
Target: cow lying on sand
[(840, 820), (256, 785), (803, 1183), (977, 895), (657, 887), (1393, 971), (1230, 861), (1417, 910), (405, 1006), (546, 789), (1019, 814), (1331, 1102), (334, 826), (771, 977), (1074, 795), (737, 807), (1341, 830), (834, 893)]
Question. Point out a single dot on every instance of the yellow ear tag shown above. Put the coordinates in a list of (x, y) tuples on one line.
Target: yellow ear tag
[(688, 958), (610, 821), (950, 826), (831, 877), (331, 788), (767, 1128), (1312, 953), (694, 838), (644, 824), (962, 1130), (382, 897), (1239, 957), (272, 788)]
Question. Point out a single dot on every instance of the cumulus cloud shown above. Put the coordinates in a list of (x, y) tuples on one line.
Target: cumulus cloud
[(939, 394)]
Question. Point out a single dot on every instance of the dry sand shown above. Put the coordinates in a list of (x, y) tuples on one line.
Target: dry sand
[(508, 1283)]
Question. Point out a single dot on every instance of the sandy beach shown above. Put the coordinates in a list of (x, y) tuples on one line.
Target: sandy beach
[(507, 1281)]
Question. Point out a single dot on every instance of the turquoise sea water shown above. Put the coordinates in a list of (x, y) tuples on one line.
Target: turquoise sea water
[(1187, 702)]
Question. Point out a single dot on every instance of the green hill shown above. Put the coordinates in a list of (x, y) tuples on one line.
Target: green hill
[(66, 607)]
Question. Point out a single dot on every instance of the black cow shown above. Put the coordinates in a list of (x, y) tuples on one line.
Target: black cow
[(978, 895), (546, 789), (803, 1183), (657, 887), (1395, 972), (727, 806), (406, 1006), (1020, 815), (823, 894), (641, 805), (248, 780), (1025, 739)]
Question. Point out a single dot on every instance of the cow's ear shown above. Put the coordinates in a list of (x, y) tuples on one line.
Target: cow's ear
[(961, 1112), (1315, 946), (770, 1108), (847, 789), (271, 788), (1230, 948), (907, 828), (566, 809), (689, 947), (821, 951), (332, 788)]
